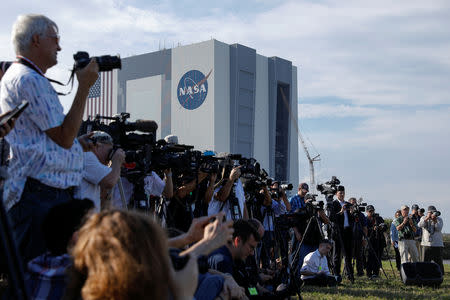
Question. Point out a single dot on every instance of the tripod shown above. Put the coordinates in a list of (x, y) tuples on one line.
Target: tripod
[(299, 245), (378, 259)]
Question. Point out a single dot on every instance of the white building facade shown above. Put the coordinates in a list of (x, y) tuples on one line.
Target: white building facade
[(215, 96)]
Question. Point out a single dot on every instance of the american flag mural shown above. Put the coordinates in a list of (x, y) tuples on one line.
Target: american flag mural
[(100, 97)]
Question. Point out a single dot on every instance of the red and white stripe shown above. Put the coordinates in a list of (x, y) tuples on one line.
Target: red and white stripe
[(102, 105)]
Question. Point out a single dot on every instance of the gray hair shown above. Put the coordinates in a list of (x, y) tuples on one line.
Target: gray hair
[(26, 26)]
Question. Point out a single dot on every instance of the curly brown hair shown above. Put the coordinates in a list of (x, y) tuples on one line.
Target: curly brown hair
[(120, 255)]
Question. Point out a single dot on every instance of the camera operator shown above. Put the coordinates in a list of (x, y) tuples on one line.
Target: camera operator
[(432, 241), (96, 174), (298, 201), (46, 156), (180, 212), (311, 238), (406, 229), (206, 192), (269, 210), (359, 231), (342, 233), (154, 186), (394, 239), (224, 192), (376, 228), (418, 234)]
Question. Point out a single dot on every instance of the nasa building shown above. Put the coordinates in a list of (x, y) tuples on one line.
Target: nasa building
[(215, 96)]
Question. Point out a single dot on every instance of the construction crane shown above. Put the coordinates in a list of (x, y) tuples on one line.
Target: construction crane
[(311, 160)]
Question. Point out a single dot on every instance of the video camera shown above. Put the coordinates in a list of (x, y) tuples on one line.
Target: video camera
[(329, 188), (105, 62), (312, 203)]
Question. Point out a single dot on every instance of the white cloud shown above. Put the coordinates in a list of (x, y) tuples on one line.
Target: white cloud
[(370, 52), (314, 111)]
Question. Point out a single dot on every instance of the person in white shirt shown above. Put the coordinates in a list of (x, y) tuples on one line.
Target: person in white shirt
[(47, 157), (96, 174), (432, 240), (315, 267), (220, 201)]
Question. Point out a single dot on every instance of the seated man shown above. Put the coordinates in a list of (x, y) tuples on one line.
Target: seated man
[(46, 276), (315, 267)]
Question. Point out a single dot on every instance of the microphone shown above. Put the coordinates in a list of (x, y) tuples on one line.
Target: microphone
[(143, 125)]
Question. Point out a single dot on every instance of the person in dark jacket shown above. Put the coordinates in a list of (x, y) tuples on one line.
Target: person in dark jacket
[(376, 228), (342, 233)]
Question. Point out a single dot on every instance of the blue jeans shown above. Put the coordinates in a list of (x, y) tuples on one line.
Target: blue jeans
[(209, 286), (27, 216)]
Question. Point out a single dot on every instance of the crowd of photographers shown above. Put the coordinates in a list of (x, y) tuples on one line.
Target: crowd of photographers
[(87, 203)]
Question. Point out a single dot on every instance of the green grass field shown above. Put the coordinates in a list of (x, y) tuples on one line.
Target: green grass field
[(382, 288)]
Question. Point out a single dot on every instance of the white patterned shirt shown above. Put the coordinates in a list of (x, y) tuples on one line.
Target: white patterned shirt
[(315, 262), (34, 154)]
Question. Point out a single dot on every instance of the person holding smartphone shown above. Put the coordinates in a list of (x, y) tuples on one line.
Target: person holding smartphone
[(47, 157)]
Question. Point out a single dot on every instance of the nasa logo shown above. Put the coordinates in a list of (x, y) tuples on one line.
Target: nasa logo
[(193, 89)]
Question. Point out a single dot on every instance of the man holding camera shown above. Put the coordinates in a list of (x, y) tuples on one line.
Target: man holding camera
[(96, 174), (406, 229), (432, 241), (376, 228), (418, 235), (47, 158), (359, 233), (342, 233), (229, 196), (298, 201)]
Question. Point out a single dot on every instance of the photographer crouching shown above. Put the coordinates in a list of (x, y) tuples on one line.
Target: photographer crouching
[(309, 227)]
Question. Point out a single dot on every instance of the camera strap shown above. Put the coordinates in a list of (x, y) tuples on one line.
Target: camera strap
[(26, 62)]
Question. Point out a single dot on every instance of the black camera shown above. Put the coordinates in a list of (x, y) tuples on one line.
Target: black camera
[(287, 186), (105, 62), (249, 166), (436, 213), (329, 188), (209, 164)]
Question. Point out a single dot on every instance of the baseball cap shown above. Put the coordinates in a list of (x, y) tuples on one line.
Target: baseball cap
[(304, 186), (404, 207), (171, 139), (432, 208), (415, 207), (102, 137), (370, 208)]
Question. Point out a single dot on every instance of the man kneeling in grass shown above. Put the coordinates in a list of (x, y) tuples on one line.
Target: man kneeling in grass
[(315, 267)]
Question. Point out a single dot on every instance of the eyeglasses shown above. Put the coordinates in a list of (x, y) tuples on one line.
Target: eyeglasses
[(54, 36)]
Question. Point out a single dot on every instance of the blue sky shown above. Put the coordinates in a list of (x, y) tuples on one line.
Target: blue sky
[(374, 92)]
